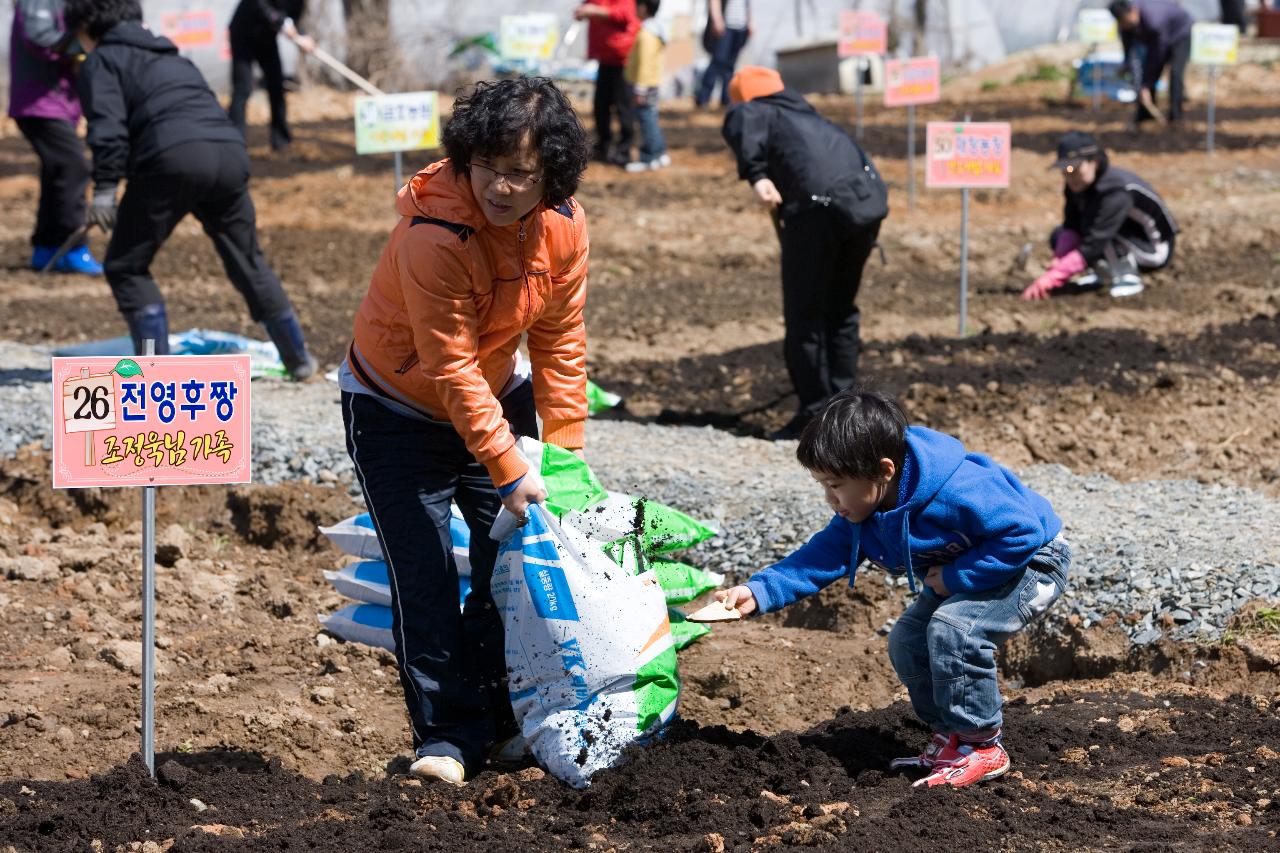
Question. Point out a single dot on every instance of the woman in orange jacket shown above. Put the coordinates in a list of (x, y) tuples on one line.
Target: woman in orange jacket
[(490, 246)]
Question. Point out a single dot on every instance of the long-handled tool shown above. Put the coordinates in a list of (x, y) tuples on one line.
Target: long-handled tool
[(328, 59), (77, 237)]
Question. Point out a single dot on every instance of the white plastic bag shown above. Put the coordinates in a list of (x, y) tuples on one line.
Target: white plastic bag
[(589, 652)]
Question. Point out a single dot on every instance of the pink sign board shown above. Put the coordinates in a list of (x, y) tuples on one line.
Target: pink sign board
[(968, 154), (912, 81), (170, 420), (195, 28), (862, 33)]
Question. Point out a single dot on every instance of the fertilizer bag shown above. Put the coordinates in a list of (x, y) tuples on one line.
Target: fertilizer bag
[(589, 651)]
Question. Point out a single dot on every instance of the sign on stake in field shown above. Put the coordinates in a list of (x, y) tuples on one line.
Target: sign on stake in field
[(908, 82), (150, 421), (1214, 45), (530, 37), (861, 34), (1096, 27), (964, 155), (407, 121)]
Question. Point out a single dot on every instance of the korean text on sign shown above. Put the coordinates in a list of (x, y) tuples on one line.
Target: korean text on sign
[(407, 121), (151, 421), (531, 37), (912, 81), (862, 33), (968, 154)]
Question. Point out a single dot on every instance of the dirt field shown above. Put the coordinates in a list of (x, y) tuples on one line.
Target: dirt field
[(288, 736)]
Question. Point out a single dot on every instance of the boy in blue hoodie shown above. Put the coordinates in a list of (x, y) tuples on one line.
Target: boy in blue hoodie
[(987, 551)]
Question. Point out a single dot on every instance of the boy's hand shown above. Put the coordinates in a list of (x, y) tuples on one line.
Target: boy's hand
[(934, 581), (640, 99), (737, 598), (590, 10)]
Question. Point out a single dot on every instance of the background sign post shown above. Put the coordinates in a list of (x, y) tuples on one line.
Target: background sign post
[(963, 155)]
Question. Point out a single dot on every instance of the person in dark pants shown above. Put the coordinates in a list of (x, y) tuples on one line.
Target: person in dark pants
[(153, 120), (728, 28), (253, 30), (796, 161), (611, 31), (1114, 225), (1233, 13), (490, 247), (1163, 29), (43, 102)]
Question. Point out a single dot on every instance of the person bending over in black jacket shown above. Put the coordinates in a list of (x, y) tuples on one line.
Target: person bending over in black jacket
[(253, 30), (153, 120), (1114, 224), (828, 202)]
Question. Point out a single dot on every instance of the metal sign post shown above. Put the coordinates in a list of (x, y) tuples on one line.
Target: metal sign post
[(1208, 141), (149, 612), (964, 259), (911, 157), (1097, 78), (399, 170), (962, 155), (857, 98)]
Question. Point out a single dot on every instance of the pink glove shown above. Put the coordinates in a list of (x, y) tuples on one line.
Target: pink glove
[(1068, 241), (1058, 274)]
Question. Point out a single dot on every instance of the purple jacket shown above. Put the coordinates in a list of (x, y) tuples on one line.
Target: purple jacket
[(42, 80), (1161, 25)]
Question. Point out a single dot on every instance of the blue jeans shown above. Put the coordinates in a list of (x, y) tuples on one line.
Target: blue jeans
[(944, 649), (652, 144), (452, 664), (724, 56)]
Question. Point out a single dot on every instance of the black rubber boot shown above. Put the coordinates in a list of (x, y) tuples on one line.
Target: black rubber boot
[(286, 333), (149, 321)]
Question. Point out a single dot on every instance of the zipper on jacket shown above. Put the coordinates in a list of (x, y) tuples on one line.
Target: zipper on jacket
[(524, 273)]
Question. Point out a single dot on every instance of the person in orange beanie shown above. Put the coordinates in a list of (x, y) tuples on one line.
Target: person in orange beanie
[(828, 201)]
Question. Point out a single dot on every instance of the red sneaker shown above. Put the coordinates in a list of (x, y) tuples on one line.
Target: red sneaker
[(929, 757), (972, 763)]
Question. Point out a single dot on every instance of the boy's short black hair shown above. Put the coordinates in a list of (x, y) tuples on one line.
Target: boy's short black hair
[(491, 121), (96, 17), (1120, 8), (652, 4), (852, 434)]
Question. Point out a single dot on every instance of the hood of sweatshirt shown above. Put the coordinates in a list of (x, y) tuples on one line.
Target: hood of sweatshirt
[(134, 34)]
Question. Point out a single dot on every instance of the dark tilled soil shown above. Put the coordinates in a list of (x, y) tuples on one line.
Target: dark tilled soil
[(1098, 771)]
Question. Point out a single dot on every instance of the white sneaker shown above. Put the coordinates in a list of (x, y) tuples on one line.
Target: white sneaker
[(661, 163), (513, 750), (440, 767), (1126, 285), (637, 166)]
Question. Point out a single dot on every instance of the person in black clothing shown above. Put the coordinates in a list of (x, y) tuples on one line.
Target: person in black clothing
[(828, 201), (253, 30), (1233, 13), (1114, 225), (153, 120), (1163, 29)]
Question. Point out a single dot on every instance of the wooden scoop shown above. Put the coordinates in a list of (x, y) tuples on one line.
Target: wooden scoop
[(714, 612)]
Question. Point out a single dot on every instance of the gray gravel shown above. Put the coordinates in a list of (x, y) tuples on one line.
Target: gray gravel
[(1155, 552)]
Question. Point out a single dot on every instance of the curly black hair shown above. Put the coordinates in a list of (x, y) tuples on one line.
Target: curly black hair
[(97, 16), (493, 119)]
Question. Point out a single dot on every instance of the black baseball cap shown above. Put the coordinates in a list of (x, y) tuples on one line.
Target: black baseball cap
[(1076, 145)]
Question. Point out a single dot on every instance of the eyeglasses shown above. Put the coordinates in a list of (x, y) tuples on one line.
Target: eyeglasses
[(515, 180)]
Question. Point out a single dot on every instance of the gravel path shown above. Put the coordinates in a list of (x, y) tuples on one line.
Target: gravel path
[(1173, 558)]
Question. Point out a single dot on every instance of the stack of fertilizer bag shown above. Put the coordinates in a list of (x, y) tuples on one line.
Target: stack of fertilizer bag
[(586, 589)]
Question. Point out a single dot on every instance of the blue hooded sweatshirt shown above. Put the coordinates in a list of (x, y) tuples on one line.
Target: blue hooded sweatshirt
[(958, 510)]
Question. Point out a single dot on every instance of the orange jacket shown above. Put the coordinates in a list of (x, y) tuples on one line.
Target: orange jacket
[(446, 307)]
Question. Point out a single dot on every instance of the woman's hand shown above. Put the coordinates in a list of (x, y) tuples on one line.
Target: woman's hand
[(766, 193), (526, 492), (738, 598)]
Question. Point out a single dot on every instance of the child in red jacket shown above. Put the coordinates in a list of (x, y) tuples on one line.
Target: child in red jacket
[(611, 30)]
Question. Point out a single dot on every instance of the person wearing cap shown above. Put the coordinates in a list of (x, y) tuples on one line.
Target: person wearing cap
[(1114, 225), (828, 202), (1163, 29)]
